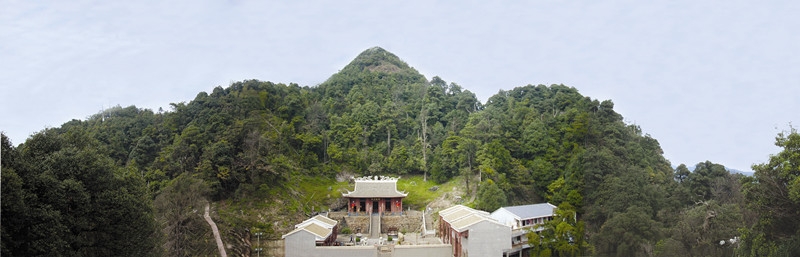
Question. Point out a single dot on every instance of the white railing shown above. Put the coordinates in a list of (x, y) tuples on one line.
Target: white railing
[(425, 229)]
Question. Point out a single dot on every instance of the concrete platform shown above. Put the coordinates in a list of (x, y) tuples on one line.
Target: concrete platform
[(408, 239)]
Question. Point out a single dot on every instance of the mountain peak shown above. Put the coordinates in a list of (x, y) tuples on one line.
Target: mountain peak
[(376, 59), (374, 48), (376, 65), (374, 72)]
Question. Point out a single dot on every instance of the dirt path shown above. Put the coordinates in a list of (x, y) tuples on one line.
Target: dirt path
[(214, 228)]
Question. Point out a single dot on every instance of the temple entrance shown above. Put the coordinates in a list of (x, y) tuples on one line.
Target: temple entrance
[(376, 194)]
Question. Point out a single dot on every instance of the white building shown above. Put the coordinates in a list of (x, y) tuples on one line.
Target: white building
[(321, 228), (522, 219), (473, 233)]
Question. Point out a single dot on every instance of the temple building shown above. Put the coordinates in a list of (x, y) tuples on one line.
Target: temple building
[(375, 194)]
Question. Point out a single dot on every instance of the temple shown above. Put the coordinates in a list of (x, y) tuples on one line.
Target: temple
[(375, 194)]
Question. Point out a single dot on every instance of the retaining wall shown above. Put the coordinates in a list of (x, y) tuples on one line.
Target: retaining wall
[(410, 221)]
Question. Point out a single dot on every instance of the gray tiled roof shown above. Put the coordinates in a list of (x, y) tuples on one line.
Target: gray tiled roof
[(386, 188), (461, 217), (532, 210), (320, 226)]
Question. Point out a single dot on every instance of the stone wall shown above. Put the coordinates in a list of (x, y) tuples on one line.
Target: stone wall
[(378, 251), (272, 248), (410, 222), (353, 222)]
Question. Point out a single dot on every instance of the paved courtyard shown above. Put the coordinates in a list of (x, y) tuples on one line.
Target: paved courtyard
[(407, 239)]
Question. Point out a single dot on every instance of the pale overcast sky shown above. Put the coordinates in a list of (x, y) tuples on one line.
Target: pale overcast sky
[(710, 80)]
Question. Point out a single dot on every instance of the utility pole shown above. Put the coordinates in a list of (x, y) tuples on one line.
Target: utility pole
[(259, 249)]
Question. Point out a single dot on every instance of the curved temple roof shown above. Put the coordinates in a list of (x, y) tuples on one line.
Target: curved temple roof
[(377, 186)]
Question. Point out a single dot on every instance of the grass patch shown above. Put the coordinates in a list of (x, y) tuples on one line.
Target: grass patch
[(317, 193), (419, 193)]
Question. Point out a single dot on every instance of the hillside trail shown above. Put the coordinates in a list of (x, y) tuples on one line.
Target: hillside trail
[(444, 201), (451, 197), (214, 229)]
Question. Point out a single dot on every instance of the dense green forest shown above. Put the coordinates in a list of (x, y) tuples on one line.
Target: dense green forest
[(129, 181)]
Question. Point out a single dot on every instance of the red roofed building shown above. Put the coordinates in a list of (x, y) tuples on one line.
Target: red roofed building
[(375, 194)]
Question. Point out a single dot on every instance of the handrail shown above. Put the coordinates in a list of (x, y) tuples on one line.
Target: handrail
[(370, 226), (424, 224), (425, 230), (379, 224)]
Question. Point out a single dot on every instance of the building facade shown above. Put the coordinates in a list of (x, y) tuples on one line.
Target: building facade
[(523, 219), (322, 229), (472, 232), (375, 194)]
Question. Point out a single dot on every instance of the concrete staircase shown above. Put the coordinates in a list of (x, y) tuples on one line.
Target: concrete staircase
[(427, 220), (375, 225)]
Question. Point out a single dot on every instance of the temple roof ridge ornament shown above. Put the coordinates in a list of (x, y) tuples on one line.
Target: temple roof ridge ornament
[(375, 186), (376, 178)]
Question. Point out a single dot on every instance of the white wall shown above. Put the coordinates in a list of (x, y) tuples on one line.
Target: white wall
[(505, 217), (423, 251), (487, 238), (349, 251), (302, 243), (299, 244)]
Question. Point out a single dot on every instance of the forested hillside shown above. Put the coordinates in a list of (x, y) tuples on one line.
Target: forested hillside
[(130, 181)]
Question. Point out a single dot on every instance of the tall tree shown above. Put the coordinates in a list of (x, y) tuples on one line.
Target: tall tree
[(705, 229), (564, 235), (490, 196), (701, 179), (423, 137), (65, 197), (180, 209), (774, 193), (682, 173)]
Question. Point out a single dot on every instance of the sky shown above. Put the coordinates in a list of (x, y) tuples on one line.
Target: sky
[(710, 80)]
